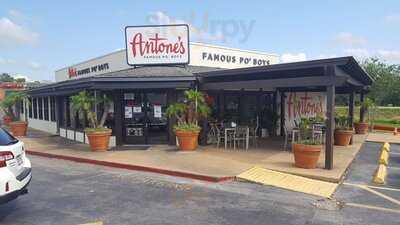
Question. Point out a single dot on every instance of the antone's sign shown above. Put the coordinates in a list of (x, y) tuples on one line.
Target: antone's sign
[(152, 45)]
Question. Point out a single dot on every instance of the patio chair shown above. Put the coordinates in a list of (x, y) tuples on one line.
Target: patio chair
[(241, 134), (318, 131), (212, 136), (290, 135), (221, 137), (253, 133)]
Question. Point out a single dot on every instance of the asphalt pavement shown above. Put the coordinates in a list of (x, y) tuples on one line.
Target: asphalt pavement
[(64, 192)]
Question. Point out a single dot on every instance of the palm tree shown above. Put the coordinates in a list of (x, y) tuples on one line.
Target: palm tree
[(189, 112), (86, 102)]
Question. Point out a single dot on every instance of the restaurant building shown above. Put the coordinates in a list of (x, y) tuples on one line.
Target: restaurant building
[(160, 62)]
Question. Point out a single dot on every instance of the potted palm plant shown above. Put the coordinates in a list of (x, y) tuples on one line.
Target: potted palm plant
[(17, 127), (98, 135), (187, 114), (307, 148), (343, 131), (362, 126)]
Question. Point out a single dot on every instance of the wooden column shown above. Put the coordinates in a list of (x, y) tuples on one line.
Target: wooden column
[(117, 97), (362, 111), (351, 112), (282, 115), (171, 98), (241, 106), (221, 105), (58, 111), (330, 114), (275, 108)]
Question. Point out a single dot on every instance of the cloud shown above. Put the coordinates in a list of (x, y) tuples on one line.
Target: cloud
[(349, 39), (393, 18), (12, 34), (161, 18), (390, 55), (6, 61), (293, 57), (34, 65), (358, 52)]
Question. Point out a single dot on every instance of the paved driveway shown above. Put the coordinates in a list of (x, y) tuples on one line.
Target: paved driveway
[(64, 192)]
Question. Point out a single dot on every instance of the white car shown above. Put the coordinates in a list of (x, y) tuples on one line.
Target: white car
[(15, 168)]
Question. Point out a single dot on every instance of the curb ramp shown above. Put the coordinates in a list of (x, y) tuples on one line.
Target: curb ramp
[(288, 181)]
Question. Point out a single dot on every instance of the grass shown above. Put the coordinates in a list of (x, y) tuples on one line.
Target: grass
[(389, 116)]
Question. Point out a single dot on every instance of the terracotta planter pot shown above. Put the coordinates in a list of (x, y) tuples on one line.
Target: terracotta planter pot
[(99, 140), (18, 128), (306, 156), (6, 120), (361, 128), (343, 137), (384, 128), (188, 141)]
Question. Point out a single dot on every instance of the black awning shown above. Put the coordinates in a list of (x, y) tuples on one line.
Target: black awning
[(307, 74), (112, 83)]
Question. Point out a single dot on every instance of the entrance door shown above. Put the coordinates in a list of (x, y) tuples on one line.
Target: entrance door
[(157, 126), (144, 116)]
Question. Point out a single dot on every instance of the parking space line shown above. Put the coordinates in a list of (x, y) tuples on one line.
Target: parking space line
[(365, 187), (372, 207), (383, 188)]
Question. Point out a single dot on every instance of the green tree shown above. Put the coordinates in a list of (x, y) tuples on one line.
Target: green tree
[(5, 77), (20, 80), (386, 87)]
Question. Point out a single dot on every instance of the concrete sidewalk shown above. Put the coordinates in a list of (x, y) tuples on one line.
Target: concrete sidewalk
[(207, 163)]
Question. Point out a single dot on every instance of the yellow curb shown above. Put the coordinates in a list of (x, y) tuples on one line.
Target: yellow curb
[(94, 223), (386, 146), (384, 158), (380, 174)]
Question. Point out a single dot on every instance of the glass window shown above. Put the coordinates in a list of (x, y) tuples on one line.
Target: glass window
[(62, 115), (231, 113), (53, 108), (30, 107), (40, 108), (68, 112), (46, 108), (249, 109), (22, 104), (35, 109)]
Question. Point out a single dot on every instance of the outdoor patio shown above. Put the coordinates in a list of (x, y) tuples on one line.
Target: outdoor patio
[(206, 161)]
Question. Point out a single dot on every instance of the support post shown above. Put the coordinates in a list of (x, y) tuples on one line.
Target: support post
[(330, 122), (117, 97), (221, 105), (282, 115), (362, 110), (351, 112), (275, 110), (172, 97)]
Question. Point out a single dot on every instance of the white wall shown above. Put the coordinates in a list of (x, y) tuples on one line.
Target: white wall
[(200, 55), (43, 125), (81, 136), (40, 124)]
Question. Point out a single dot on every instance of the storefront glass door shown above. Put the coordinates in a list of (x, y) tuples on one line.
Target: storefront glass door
[(144, 116)]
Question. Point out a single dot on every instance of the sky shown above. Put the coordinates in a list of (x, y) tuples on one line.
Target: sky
[(39, 37)]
